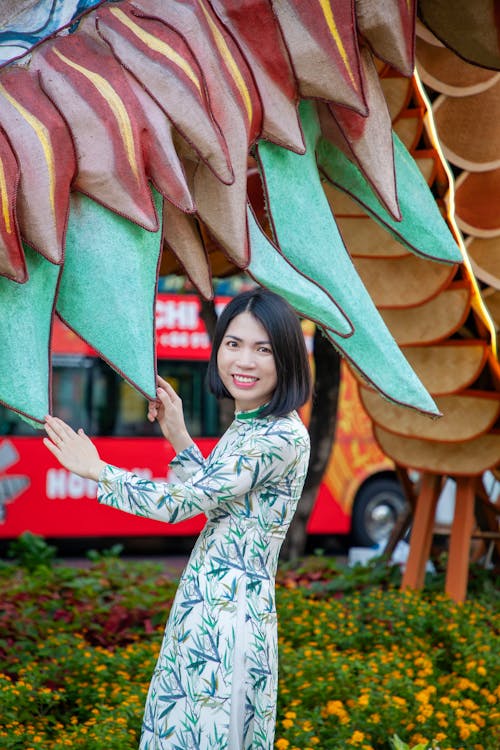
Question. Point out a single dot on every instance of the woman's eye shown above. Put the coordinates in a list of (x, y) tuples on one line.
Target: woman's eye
[(265, 349)]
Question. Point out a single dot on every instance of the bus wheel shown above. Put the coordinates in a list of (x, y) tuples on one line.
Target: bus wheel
[(377, 506)]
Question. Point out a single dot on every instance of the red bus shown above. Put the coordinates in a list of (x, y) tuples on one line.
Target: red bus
[(38, 495)]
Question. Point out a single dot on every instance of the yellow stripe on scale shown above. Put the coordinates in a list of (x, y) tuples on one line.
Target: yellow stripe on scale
[(5, 199), (43, 136), (117, 107), (157, 46), (230, 62), (332, 26)]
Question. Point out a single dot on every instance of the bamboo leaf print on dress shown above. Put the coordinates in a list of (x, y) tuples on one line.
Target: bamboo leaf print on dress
[(215, 682)]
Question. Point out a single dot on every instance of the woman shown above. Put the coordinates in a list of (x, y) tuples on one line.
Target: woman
[(215, 682)]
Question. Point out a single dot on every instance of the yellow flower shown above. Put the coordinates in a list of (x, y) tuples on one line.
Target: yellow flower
[(282, 744), (287, 723), (290, 715), (357, 738), (399, 701)]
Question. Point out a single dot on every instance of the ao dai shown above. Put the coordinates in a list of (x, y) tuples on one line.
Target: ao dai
[(215, 682)]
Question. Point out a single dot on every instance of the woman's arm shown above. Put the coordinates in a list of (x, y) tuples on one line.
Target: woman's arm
[(265, 456), (187, 462), (264, 459), (76, 452)]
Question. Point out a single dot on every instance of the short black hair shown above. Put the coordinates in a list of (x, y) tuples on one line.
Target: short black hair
[(293, 371)]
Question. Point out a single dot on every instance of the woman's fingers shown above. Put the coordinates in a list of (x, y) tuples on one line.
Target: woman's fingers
[(167, 388), (161, 382), (53, 434), (163, 396), (53, 448), (59, 428)]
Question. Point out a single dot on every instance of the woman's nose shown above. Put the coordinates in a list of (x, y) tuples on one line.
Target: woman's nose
[(246, 358)]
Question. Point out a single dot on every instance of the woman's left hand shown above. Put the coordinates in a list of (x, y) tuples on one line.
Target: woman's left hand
[(74, 450), (167, 410)]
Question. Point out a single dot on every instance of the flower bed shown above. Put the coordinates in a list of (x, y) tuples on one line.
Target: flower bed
[(77, 649)]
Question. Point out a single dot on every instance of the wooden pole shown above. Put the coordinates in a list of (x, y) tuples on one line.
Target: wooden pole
[(422, 531), (463, 524)]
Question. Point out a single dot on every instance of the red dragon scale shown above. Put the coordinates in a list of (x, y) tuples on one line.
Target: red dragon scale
[(158, 57), (254, 25), (85, 82), (388, 27), (12, 263), (236, 106), (163, 166), (182, 237), (42, 144), (322, 41), (366, 141)]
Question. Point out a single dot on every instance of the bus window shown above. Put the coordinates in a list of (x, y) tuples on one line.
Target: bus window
[(71, 393), (119, 411), (71, 398), (90, 394), (11, 424)]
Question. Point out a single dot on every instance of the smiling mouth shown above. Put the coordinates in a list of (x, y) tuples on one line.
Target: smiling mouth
[(244, 379)]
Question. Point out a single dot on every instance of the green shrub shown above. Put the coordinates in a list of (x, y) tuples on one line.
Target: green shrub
[(32, 551), (359, 665)]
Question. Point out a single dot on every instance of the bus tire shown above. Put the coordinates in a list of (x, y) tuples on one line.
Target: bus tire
[(380, 501)]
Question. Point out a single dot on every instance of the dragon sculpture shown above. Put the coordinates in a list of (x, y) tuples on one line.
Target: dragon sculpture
[(290, 139)]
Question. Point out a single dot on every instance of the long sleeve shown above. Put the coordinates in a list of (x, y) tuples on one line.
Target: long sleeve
[(187, 462), (264, 456)]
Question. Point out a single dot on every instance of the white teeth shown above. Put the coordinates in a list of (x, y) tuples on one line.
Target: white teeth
[(244, 379)]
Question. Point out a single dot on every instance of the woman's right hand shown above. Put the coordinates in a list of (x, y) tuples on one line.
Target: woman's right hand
[(74, 450), (167, 410)]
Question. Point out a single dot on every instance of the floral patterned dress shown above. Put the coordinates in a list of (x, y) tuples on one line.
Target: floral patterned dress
[(215, 682)]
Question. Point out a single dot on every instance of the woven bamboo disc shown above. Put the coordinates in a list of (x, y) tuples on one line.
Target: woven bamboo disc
[(409, 127), (469, 27), (468, 458), (444, 71), (485, 258), (468, 129), (426, 34), (450, 367), (477, 202), (341, 203), (492, 301), (364, 238), (432, 321), (426, 162), (397, 92), (403, 282), (465, 416)]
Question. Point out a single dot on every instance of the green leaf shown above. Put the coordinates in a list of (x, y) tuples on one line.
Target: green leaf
[(308, 237), (271, 269), (108, 287), (398, 744), (25, 326), (422, 229)]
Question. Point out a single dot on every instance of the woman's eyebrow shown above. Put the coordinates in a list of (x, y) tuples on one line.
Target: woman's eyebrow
[(237, 338), (230, 336)]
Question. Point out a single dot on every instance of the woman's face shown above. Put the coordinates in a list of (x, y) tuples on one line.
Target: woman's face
[(245, 362)]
